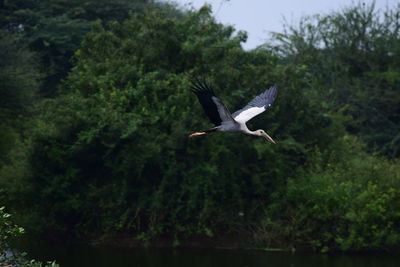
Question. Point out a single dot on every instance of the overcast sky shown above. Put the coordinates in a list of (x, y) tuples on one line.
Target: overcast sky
[(259, 17)]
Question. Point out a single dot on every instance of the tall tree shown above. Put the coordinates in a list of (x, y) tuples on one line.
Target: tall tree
[(19, 84), (55, 28), (353, 56)]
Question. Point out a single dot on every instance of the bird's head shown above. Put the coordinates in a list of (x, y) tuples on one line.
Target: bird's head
[(262, 133)]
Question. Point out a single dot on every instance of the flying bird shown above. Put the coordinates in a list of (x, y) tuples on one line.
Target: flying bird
[(225, 121)]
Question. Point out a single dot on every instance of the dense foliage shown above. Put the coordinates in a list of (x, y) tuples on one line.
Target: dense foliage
[(19, 81), (346, 202), (55, 28), (354, 58), (109, 155)]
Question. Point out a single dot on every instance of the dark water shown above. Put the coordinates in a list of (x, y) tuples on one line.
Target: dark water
[(121, 257)]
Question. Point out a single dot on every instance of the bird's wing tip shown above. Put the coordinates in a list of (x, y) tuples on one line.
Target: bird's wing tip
[(273, 87), (200, 85)]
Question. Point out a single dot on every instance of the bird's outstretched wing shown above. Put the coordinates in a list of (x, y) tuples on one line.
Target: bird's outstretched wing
[(212, 105), (256, 106)]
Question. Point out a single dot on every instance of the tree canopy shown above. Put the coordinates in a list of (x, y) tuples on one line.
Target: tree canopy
[(353, 57), (55, 28)]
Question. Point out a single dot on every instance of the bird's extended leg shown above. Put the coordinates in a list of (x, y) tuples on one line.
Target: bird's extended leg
[(196, 134), (203, 133)]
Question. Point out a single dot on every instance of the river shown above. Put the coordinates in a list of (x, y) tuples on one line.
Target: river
[(75, 256)]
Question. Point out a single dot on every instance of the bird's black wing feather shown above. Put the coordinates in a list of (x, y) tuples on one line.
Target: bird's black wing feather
[(213, 107)]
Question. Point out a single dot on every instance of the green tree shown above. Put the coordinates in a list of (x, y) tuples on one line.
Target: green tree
[(19, 82), (353, 58), (346, 202), (55, 28)]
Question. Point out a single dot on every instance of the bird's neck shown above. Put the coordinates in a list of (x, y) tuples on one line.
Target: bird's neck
[(249, 132)]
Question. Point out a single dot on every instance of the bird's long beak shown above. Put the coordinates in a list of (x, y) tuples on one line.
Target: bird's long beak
[(266, 136)]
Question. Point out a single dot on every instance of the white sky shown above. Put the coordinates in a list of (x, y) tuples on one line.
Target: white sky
[(259, 17)]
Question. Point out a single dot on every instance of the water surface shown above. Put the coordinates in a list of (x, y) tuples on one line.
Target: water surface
[(81, 256)]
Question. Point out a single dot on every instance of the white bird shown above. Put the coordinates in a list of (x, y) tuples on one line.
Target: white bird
[(236, 122)]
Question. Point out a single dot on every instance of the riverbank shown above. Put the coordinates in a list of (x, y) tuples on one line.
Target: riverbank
[(231, 242)]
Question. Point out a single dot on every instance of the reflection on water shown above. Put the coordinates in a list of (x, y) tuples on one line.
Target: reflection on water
[(121, 257)]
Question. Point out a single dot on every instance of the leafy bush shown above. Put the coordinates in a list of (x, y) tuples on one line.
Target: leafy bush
[(8, 231), (351, 202)]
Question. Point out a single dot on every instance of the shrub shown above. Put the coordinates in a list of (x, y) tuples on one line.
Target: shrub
[(348, 202)]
